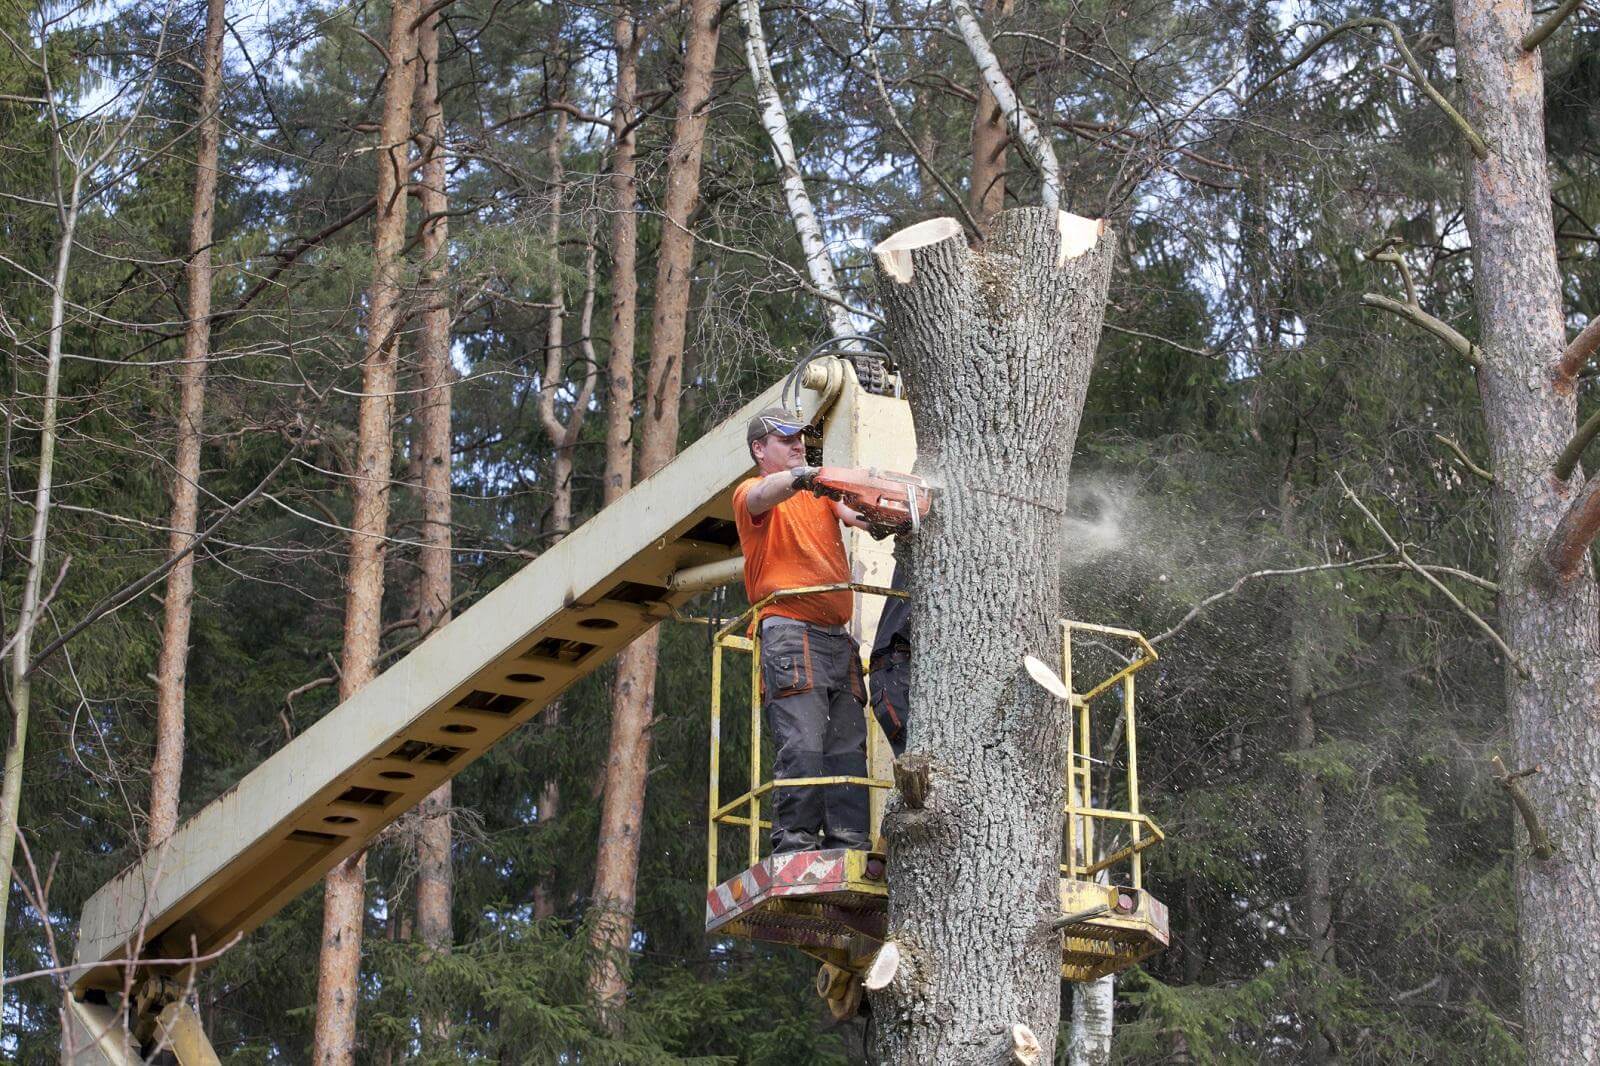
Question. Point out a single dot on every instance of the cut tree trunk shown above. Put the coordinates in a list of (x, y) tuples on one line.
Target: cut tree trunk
[(1551, 621), (172, 663), (344, 895), (633, 692), (432, 451), (997, 344)]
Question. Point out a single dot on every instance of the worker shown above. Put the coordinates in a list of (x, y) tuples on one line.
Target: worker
[(889, 666), (812, 688)]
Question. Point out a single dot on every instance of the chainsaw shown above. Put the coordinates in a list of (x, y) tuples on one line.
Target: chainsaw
[(889, 502)]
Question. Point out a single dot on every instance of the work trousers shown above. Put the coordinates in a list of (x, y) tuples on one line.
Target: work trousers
[(890, 679), (814, 699)]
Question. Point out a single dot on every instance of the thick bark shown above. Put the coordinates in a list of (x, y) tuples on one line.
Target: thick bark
[(344, 898), (1552, 622), (997, 343), (986, 195), (633, 692), (775, 120), (166, 769), (432, 452)]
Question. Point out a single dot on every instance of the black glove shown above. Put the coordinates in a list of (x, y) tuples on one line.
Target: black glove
[(805, 477)]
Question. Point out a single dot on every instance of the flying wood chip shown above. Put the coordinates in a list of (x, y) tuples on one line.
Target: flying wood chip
[(1046, 678)]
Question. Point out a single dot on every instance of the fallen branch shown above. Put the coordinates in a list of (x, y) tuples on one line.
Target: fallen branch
[(1539, 841), (1421, 571)]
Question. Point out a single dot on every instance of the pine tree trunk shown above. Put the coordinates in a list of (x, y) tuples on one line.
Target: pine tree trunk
[(633, 692), (624, 259), (986, 195), (431, 447), (998, 343), (166, 769), (344, 896), (1551, 621)]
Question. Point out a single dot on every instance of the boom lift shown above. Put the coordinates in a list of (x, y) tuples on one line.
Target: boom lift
[(327, 793)]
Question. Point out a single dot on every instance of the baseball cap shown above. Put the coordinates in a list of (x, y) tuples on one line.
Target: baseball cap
[(774, 420)]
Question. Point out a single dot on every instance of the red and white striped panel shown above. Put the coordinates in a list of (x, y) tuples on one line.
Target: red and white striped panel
[(791, 874)]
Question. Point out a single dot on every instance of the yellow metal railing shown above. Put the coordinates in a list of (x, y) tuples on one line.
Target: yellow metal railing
[(1081, 815), (721, 812)]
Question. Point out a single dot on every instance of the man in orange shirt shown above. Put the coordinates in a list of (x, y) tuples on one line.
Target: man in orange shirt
[(810, 665)]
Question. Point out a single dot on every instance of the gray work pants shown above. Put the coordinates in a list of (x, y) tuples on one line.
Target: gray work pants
[(813, 695), (890, 678)]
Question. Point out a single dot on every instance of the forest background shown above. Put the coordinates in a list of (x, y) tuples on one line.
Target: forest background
[(1316, 743)]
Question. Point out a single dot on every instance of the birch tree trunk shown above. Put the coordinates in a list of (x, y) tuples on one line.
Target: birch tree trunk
[(1093, 1010), (633, 692), (69, 202), (431, 445), (998, 343), (1552, 621), (166, 769), (775, 120), (986, 194), (344, 895)]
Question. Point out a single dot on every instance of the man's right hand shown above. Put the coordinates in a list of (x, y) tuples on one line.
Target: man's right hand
[(805, 477)]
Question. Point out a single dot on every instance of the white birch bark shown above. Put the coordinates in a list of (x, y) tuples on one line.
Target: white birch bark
[(775, 120), (1089, 1037), (1017, 117)]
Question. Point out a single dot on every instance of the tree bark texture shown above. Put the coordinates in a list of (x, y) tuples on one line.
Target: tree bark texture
[(172, 662), (633, 691), (1093, 1010), (432, 449), (997, 343), (344, 897), (624, 188), (986, 195), (1551, 621)]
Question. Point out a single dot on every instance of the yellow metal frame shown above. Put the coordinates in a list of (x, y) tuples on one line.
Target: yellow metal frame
[(720, 812), (1082, 818)]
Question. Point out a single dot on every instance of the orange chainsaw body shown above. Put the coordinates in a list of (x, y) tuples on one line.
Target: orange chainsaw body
[(891, 502)]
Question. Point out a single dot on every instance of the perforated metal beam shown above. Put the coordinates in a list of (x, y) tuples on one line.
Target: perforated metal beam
[(328, 792)]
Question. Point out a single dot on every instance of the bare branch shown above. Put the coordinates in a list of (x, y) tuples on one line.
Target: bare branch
[(1581, 349), (1568, 546), (1552, 22), (1423, 572), (1233, 589), (1480, 148), (1567, 461), (1461, 453), (1539, 841), (1418, 317)]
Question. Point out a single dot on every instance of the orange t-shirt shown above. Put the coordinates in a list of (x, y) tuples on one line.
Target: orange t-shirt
[(794, 545)]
